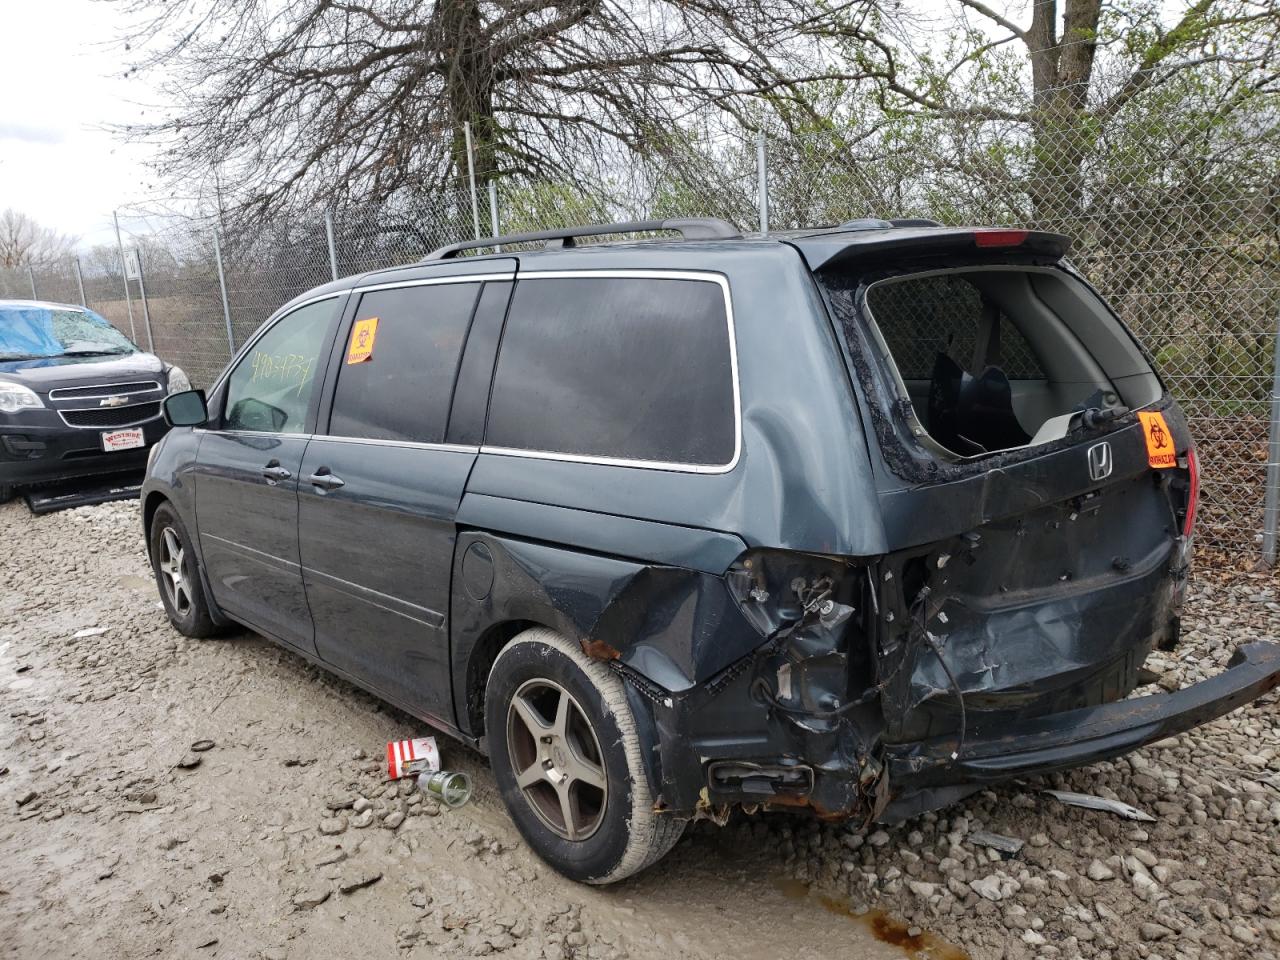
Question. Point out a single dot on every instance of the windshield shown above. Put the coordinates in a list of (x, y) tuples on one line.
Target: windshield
[(36, 332)]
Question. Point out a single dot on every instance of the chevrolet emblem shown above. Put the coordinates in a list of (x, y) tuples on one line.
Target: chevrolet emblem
[(113, 401)]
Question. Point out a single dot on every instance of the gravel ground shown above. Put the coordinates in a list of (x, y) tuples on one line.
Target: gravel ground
[(282, 840)]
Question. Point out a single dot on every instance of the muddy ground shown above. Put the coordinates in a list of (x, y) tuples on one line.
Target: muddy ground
[(283, 841)]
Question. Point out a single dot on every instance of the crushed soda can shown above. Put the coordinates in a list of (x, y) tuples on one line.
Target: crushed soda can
[(405, 758), (450, 787)]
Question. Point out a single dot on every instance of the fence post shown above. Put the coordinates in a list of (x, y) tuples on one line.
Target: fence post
[(493, 213), (124, 272), (333, 247), (80, 282), (222, 285), (762, 179), (471, 175), (1271, 509), (32, 277), (146, 312)]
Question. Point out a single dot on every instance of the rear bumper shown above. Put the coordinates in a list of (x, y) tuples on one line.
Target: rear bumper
[(1073, 738)]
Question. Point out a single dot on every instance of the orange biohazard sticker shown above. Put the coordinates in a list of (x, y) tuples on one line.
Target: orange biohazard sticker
[(363, 334), (1155, 431)]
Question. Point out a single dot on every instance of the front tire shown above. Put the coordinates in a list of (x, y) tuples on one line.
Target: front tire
[(177, 573), (567, 756), (7, 493)]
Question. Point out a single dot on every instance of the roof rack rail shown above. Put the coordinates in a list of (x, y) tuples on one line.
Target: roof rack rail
[(690, 228)]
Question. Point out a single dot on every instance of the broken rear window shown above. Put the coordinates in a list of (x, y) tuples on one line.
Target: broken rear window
[(993, 358), (923, 316)]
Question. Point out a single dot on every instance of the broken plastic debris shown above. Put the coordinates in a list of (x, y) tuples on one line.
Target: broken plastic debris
[(1118, 807), (89, 632), (996, 841), (450, 787), (408, 757)]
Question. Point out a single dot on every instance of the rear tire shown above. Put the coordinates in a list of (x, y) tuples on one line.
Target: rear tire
[(177, 573), (567, 757), (7, 493)]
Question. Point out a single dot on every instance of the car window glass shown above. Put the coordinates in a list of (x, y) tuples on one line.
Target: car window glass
[(270, 389), (398, 370), (626, 368)]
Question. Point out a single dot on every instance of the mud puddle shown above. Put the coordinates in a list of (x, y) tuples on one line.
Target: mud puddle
[(912, 942)]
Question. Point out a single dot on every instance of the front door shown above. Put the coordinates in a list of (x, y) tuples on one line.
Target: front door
[(378, 493), (246, 486)]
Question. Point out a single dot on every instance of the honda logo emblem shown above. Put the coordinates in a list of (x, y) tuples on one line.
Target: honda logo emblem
[(1100, 461), (113, 401)]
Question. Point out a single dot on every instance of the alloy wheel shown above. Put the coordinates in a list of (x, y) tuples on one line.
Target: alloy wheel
[(556, 758), (173, 571)]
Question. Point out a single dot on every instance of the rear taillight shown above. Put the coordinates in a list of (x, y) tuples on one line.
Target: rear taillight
[(1193, 492), (1000, 238)]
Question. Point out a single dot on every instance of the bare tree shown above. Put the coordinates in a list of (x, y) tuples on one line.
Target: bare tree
[(279, 101), (23, 242)]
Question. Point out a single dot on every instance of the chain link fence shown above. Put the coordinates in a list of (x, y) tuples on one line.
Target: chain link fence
[(1182, 238)]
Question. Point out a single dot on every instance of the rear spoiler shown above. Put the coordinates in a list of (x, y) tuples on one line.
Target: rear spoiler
[(841, 246)]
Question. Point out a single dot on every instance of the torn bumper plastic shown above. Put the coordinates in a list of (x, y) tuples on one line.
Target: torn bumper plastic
[(1074, 738)]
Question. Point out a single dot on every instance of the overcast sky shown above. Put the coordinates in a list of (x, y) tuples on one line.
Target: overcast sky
[(62, 82), (62, 76)]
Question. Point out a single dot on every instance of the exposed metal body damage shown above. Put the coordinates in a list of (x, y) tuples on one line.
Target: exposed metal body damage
[(757, 709), (814, 683), (1021, 616)]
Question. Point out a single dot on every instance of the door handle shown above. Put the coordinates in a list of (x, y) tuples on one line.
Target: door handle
[(275, 473), (325, 480)]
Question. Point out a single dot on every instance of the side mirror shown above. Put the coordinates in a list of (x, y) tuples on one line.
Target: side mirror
[(257, 415), (186, 409)]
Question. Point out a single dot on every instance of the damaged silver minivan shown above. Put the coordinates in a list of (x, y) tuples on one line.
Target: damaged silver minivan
[(850, 520)]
